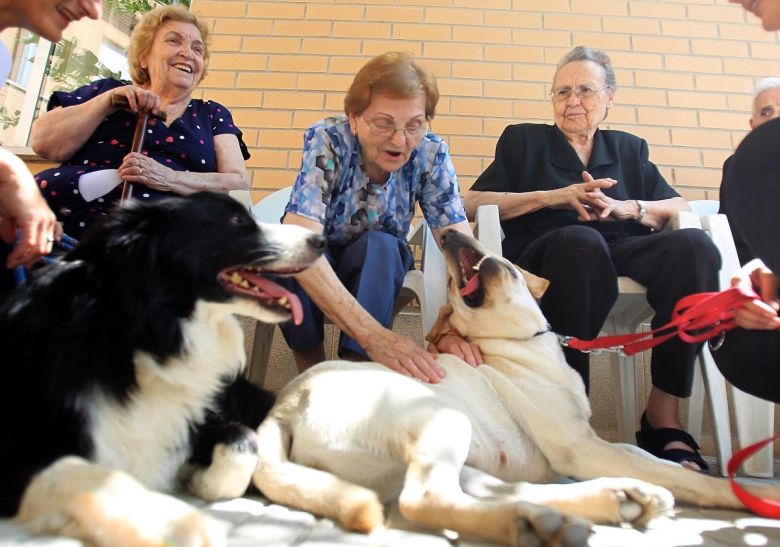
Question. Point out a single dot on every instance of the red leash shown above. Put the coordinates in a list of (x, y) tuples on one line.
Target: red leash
[(695, 318), (759, 505)]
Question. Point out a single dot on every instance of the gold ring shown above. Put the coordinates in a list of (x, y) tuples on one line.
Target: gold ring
[(140, 171)]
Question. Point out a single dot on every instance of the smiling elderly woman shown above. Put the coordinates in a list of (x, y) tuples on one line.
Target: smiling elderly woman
[(581, 206), (197, 147)]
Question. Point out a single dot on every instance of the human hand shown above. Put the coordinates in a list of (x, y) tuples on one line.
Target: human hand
[(459, 347), (761, 314), (140, 169), (24, 211), (137, 99), (586, 198), (402, 354)]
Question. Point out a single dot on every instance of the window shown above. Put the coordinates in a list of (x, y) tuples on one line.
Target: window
[(89, 50)]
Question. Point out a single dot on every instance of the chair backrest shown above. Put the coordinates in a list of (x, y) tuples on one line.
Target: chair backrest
[(719, 230), (271, 208), (244, 197), (704, 207)]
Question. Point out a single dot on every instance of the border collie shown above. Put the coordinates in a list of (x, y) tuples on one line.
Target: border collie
[(121, 371)]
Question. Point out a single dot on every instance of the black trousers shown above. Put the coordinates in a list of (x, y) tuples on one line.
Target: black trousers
[(750, 359), (583, 269)]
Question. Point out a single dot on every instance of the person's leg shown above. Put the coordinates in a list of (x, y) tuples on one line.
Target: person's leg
[(373, 268), (305, 340), (749, 360), (671, 264), (583, 284)]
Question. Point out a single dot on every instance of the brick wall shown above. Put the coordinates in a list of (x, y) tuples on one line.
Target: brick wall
[(686, 71)]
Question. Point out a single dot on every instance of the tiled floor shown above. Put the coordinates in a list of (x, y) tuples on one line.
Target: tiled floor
[(254, 522)]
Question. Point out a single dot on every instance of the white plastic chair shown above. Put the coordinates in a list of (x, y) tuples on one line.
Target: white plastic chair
[(428, 284), (754, 417), (628, 313)]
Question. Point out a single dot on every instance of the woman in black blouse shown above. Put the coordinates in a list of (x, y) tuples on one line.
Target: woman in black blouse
[(581, 206)]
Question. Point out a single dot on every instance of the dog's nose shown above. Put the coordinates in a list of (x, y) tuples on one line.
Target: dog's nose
[(317, 242)]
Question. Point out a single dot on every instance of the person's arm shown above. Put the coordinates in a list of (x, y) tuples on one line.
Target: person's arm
[(657, 213), (61, 132), (514, 204), (23, 208), (231, 171), (399, 353)]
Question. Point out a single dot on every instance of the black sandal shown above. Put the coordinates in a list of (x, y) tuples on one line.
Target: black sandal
[(654, 441)]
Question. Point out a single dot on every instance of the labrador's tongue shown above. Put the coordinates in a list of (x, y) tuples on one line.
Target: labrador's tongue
[(276, 291), (471, 286)]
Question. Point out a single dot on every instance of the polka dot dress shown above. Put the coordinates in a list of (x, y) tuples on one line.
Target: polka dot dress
[(187, 145)]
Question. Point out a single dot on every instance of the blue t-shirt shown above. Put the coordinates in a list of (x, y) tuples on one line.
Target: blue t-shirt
[(332, 188), (187, 145)]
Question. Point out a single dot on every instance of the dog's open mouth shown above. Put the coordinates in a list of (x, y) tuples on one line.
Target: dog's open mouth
[(470, 284), (251, 283)]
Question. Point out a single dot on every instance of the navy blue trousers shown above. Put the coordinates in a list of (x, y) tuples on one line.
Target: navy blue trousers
[(372, 268)]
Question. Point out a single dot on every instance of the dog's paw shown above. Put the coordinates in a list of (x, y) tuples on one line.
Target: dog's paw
[(161, 520), (631, 501), (228, 476), (105, 507), (544, 525), (642, 502)]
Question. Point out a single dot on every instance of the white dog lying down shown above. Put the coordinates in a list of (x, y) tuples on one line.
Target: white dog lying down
[(476, 452)]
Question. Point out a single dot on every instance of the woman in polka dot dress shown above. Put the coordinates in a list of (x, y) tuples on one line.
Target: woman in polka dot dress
[(197, 147)]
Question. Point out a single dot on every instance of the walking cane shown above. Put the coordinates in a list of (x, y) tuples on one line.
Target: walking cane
[(138, 140)]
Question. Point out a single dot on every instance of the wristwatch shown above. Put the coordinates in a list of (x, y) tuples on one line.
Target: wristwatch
[(642, 209)]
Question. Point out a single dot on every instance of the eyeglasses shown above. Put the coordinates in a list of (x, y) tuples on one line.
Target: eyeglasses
[(383, 127), (582, 92)]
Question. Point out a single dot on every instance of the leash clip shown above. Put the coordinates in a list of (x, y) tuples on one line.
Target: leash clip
[(564, 340), (716, 343)]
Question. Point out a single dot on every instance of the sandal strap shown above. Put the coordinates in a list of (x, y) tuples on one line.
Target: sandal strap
[(679, 455), (664, 435)]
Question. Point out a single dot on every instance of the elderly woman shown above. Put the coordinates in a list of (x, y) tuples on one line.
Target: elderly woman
[(22, 208), (197, 147), (360, 178), (581, 206)]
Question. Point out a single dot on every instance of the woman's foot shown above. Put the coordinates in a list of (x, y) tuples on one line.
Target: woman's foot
[(671, 443)]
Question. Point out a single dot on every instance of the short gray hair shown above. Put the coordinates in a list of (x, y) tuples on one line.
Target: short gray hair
[(766, 84), (582, 53)]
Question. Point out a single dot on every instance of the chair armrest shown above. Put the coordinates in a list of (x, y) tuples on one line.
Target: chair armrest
[(684, 219), (487, 228)]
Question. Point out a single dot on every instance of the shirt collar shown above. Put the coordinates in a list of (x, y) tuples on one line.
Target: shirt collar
[(562, 153)]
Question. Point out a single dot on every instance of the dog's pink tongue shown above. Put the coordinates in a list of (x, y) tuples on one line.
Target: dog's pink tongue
[(275, 290), (471, 286)]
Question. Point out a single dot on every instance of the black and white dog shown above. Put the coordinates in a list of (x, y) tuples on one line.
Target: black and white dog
[(121, 371)]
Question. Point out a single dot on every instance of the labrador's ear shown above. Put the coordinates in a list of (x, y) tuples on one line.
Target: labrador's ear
[(536, 285)]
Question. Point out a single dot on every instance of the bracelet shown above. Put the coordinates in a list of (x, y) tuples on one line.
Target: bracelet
[(642, 210)]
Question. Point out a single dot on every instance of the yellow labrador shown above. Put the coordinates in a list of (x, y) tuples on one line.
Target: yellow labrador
[(483, 452)]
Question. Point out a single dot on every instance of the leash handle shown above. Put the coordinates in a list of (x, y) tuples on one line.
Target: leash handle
[(695, 318), (66, 242), (760, 505)]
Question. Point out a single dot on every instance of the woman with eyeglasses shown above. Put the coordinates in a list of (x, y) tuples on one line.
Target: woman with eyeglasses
[(580, 206), (361, 176)]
